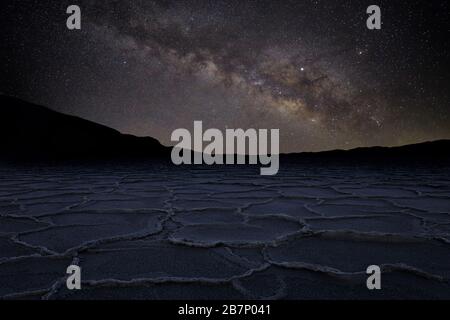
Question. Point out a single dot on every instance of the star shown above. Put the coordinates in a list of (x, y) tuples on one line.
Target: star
[(302, 67)]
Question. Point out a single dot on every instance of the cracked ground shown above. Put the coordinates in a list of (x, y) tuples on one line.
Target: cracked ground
[(159, 232)]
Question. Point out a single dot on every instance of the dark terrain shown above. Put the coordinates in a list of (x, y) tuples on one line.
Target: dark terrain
[(150, 230), (29, 131), (46, 134)]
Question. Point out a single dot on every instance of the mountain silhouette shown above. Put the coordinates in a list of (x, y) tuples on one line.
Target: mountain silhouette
[(31, 131), (430, 151)]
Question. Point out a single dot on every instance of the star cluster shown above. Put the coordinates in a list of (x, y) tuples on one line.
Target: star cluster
[(310, 68)]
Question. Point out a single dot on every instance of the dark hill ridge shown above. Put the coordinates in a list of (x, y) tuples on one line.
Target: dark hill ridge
[(431, 150), (29, 131)]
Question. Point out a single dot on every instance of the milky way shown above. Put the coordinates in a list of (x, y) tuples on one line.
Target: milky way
[(310, 68)]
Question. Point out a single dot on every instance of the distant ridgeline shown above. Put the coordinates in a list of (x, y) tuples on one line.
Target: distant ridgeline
[(29, 131)]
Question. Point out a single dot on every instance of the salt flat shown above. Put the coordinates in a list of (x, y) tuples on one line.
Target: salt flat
[(197, 232)]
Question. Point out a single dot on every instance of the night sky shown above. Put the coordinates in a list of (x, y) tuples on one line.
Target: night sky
[(310, 68)]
